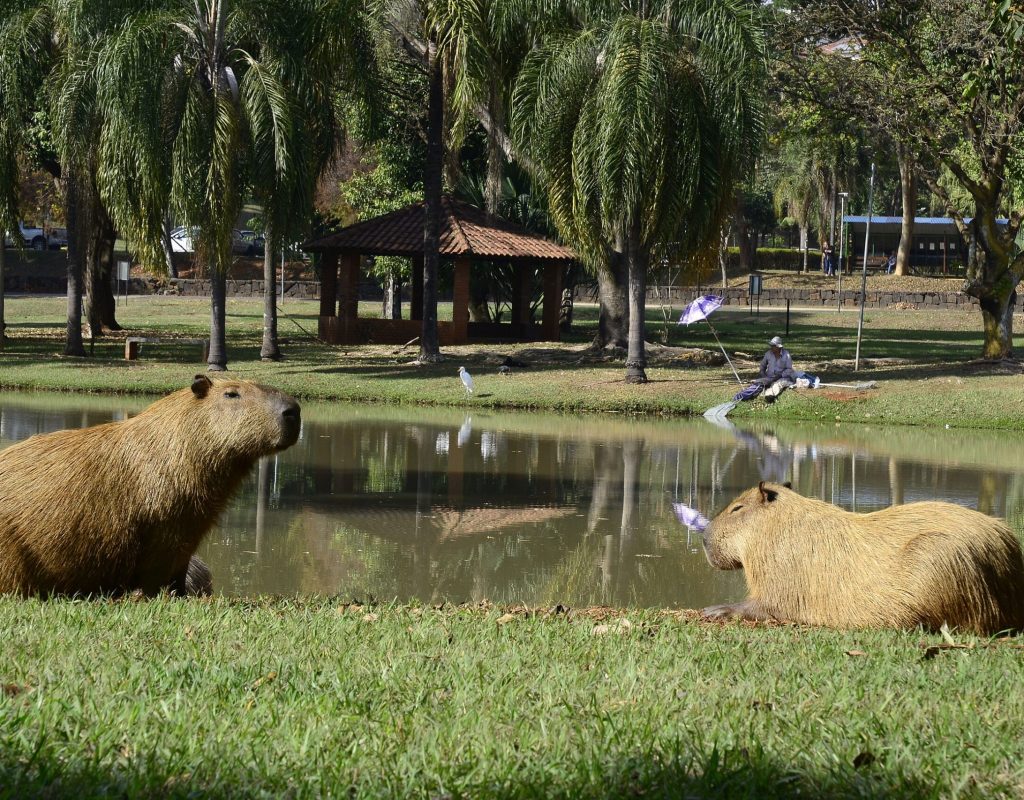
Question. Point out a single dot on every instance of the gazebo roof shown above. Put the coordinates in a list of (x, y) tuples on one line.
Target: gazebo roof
[(465, 231)]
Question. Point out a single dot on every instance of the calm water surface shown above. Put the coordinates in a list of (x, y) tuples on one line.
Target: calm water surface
[(381, 503)]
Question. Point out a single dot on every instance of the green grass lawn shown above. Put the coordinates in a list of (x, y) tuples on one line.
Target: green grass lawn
[(931, 384), (313, 699)]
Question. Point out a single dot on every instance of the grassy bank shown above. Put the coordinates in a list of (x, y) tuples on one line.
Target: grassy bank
[(920, 360), (314, 699)]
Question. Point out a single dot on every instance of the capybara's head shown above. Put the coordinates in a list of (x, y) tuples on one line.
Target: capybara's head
[(243, 419), (746, 517)]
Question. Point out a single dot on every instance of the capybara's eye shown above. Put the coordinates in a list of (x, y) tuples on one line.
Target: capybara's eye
[(734, 509), (232, 393)]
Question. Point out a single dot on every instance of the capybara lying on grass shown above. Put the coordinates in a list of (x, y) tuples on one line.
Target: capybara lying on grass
[(922, 564), (123, 506)]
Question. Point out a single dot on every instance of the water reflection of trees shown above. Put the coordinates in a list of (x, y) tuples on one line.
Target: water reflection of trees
[(439, 505)]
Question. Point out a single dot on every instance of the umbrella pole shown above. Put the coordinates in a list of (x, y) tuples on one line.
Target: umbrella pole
[(715, 334)]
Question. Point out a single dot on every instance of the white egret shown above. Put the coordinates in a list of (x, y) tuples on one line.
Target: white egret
[(467, 380)]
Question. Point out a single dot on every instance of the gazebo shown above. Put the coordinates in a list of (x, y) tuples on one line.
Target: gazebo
[(467, 235)]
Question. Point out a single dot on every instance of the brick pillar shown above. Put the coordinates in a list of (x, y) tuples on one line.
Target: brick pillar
[(460, 302), (416, 307), (552, 301), (328, 283)]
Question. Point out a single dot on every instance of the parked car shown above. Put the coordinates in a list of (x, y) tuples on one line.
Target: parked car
[(246, 243), (31, 236), (57, 238), (181, 240)]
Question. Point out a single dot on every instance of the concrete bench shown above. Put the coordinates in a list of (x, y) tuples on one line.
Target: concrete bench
[(132, 344)]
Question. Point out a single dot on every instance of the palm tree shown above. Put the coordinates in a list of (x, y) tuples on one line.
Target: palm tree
[(308, 50), (233, 78), (639, 116)]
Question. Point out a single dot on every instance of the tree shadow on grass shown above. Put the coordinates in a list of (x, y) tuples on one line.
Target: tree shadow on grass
[(717, 774)]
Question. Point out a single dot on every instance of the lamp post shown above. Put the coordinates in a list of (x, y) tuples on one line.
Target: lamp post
[(864, 275), (842, 245)]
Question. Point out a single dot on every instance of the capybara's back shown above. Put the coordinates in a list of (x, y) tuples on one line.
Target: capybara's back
[(123, 506), (925, 564)]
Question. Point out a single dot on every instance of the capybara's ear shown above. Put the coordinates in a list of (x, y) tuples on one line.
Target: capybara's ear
[(788, 484), (201, 386), (767, 495)]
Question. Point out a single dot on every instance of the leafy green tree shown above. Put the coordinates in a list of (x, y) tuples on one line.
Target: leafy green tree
[(944, 78), (21, 67), (639, 117)]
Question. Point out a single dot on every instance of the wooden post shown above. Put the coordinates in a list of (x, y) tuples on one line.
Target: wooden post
[(348, 294), (460, 301), (552, 301), (328, 283), (416, 308), (521, 298)]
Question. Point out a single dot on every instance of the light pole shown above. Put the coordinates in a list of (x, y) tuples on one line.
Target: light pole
[(864, 275), (842, 244)]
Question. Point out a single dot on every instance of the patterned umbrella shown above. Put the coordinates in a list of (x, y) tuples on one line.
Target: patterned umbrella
[(699, 310)]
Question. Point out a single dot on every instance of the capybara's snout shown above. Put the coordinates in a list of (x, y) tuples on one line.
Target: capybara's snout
[(291, 420)]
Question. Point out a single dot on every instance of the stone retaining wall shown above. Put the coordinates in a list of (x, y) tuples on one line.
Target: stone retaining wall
[(825, 298), (303, 290)]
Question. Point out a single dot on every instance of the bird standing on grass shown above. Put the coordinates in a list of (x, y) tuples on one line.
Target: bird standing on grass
[(467, 380)]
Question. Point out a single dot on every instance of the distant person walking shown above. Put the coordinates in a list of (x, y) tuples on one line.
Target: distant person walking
[(828, 261)]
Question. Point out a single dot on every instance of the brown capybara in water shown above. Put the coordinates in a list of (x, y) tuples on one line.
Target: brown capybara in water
[(811, 562), (123, 506)]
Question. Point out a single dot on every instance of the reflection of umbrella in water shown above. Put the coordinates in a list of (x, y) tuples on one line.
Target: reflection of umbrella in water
[(699, 310)]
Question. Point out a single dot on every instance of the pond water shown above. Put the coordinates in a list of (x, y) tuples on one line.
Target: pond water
[(462, 505)]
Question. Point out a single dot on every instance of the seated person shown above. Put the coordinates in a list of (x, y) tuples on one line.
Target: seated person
[(776, 365), (776, 373)]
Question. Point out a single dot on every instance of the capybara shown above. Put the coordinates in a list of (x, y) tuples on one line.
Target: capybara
[(122, 507), (811, 562)]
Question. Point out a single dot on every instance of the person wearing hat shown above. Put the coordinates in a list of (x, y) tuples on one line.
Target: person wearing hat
[(777, 365)]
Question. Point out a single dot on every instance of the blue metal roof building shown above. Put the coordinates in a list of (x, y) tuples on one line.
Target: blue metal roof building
[(937, 245)]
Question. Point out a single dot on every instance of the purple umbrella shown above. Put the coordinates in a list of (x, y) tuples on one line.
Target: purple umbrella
[(699, 310)]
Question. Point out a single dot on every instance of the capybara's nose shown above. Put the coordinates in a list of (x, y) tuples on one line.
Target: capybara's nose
[(291, 411)]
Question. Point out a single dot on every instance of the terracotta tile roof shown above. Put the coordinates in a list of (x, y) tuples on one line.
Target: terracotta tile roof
[(465, 230)]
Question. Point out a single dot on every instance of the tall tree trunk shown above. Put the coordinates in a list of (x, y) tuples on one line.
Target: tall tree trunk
[(495, 156), (803, 244), (613, 313), (99, 293), (270, 350), (429, 348), (3, 270), (172, 270), (392, 307), (997, 318), (908, 184), (218, 360), (992, 278), (636, 356), (746, 241), (76, 223), (479, 311)]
